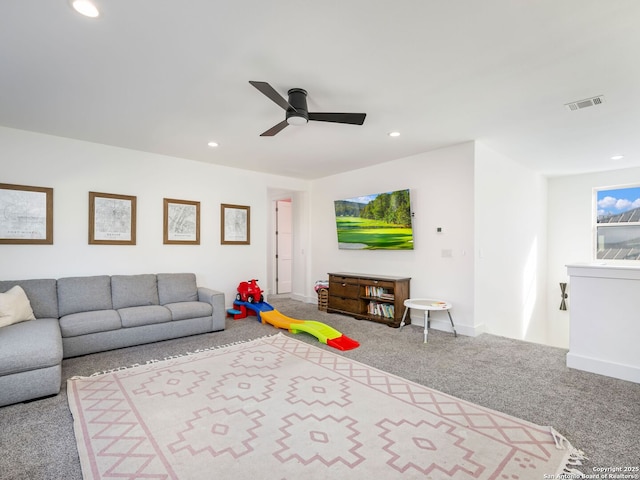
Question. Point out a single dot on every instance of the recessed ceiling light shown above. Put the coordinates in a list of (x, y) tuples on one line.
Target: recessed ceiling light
[(213, 144), (617, 157), (85, 7), (394, 134)]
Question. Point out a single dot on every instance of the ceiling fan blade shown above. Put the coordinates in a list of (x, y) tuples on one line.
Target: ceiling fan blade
[(268, 91), (275, 129), (351, 118)]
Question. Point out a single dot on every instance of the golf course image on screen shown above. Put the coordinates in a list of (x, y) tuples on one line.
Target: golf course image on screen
[(380, 221)]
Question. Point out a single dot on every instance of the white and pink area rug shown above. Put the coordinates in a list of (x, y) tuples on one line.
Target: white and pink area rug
[(278, 408)]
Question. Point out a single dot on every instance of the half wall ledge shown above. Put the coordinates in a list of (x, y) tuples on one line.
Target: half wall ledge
[(604, 330)]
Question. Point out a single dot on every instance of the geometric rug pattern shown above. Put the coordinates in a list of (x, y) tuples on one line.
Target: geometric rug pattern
[(278, 408)]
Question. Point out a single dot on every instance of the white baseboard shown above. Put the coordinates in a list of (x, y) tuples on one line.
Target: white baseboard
[(601, 367), (303, 298)]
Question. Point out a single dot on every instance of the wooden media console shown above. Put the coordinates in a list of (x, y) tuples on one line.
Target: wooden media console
[(378, 298)]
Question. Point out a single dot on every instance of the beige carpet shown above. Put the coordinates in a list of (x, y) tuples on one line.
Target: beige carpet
[(278, 408)]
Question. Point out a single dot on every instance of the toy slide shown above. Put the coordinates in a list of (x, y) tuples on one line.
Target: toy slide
[(323, 332), (257, 308)]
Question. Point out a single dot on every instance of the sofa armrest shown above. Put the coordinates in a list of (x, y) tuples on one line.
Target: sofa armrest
[(216, 299)]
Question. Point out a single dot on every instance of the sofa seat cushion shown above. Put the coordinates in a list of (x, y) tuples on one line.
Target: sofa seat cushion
[(139, 316), (84, 294), (84, 323), (186, 310), (30, 346), (177, 287), (134, 290)]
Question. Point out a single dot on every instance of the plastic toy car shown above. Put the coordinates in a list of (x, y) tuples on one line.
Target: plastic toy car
[(250, 292)]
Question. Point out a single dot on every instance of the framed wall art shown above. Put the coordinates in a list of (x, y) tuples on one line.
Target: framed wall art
[(112, 219), (27, 214), (235, 224), (181, 222)]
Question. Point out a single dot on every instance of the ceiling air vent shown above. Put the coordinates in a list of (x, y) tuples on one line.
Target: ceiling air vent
[(587, 102)]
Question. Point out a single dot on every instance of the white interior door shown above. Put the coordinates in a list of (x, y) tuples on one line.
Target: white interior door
[(283, 246)]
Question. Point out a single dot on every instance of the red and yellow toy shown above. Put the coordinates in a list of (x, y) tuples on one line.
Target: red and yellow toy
[(246, 304)]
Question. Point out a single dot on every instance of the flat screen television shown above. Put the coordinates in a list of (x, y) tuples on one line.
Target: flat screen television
[(381, 221)]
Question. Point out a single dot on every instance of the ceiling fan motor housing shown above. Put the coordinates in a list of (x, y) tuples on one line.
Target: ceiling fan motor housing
[(298, 100)]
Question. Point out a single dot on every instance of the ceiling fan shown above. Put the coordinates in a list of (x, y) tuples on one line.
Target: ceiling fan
[(297, 113)]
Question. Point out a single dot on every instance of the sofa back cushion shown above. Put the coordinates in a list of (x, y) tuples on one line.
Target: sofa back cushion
[(134, 290), (15, 307), (84, 294), (42, 295), (177, 287)]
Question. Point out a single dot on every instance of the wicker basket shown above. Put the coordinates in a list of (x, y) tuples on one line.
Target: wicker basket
[(323, 299)]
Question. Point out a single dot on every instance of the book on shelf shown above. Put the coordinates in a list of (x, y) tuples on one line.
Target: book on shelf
[(381, 309), (379, 292)]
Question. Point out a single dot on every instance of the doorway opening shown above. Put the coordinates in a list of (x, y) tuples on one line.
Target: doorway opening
[(283, 247)]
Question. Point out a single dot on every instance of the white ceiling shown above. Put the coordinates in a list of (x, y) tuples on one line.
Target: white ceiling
[(168, 76)]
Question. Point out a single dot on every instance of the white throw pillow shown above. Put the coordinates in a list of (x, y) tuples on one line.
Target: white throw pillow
[(15, 307)]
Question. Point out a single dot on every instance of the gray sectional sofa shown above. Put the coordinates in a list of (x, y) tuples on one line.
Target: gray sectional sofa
[(81, 315)]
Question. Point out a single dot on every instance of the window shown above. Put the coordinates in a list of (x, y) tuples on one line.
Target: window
[(618, 223)]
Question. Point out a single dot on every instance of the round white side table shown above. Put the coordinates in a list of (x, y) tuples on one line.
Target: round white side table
[(427, 305)]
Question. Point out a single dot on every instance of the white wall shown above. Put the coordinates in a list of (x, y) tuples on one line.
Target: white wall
[(442, 195), (570, 224), (73, 168), (511, 247), (494, 214)]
